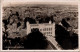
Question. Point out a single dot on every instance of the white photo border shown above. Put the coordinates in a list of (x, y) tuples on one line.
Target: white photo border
[(17, 1)]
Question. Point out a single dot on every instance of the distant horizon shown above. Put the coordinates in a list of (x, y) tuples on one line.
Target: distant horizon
[(6, 4)]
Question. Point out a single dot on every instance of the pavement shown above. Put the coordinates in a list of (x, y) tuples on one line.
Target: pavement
[(53, 43)]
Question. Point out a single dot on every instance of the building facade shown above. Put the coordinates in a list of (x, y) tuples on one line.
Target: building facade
[(48, 29)]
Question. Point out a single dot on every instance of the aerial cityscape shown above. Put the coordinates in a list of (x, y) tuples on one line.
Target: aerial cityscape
[(40, 27)]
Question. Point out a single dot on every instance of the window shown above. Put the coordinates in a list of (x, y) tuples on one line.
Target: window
[(51, 29), (47, 32), (43, 29), (40, 29), (47, 29), (51, 32)]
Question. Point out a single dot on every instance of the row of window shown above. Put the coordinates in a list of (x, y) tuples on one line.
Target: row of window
[(47, 33), (46, 29)]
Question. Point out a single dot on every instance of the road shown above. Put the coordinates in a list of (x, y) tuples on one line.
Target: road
[(53, 42)]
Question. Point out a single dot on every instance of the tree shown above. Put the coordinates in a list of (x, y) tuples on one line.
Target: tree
[(64, 39), (35, 40), (65, 24), (31, 21)]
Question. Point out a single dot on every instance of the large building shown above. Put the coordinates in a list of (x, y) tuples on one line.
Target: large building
[(48, 29)]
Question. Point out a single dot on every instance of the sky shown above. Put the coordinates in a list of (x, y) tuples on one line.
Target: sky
[(12, 2)]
